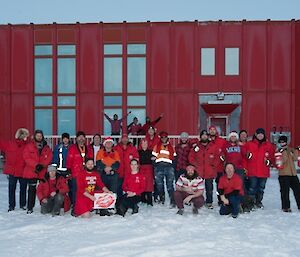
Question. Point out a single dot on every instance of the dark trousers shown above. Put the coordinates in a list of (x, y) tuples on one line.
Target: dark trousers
[(219, 175), (233, 207), (73, 189), (287, 182), (178, 173), (257, 188), (110, 181), (209, 186), (179, 196), (129, 202), (12, 185), (120, 184), (53, 204), (146, 197), (31, 193)]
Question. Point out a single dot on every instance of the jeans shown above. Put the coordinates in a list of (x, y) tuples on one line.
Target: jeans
[(53, 204), (162, 171), (12, 184), (120, 184), (287, 182), (31, 193), (256, 188), (209, 189), (233, 207)]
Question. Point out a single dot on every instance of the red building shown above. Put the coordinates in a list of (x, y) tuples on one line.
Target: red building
[(237, 75)]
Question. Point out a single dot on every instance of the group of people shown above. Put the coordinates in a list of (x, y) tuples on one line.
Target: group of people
[(70, 175)]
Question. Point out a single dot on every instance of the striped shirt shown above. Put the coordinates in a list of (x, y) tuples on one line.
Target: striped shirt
[(195, 184)]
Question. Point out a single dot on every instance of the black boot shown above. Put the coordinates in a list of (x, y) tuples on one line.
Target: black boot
[(258, 200), (162, 198), (149, 198), (172, 200), (135, 209), (144, 197), (121, 210)]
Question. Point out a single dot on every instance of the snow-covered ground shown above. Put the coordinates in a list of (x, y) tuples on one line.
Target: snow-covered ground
[(156, 231)]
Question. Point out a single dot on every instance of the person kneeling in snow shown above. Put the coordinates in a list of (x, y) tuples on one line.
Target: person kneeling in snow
[(87, 181), (189, 188), (134, 185), (52, 192), (231, 191)]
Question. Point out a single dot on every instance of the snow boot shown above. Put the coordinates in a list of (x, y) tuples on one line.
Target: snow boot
[(180, 211)]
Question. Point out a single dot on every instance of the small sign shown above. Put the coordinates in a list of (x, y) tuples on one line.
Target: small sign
[(105, 201)]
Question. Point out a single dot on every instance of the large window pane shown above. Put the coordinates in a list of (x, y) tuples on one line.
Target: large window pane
[(136, 75), (43, 75), (112, 75), (110, 113), (113, 49), (43, 101), (231, 61), (136, 49), (66, 50), (66, 75), (43, 120), (43, 50), (136, 100), (139, 113), (112, 100), (66, 121), (66, 101), (207, 61)]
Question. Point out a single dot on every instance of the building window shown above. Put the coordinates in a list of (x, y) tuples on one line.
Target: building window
[(207, 61), (55, 95), (124, 92), (231, 61)]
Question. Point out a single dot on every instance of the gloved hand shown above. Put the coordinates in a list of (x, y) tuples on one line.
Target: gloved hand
[(38, 168), (298, 148), (267, 162), (249, 155)]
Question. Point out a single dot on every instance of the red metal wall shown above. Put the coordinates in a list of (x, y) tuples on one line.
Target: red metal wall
[(268, 81)]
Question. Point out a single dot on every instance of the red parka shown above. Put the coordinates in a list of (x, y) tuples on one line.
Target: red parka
[(261, 152), (14, 162), (134, 183), (32, 157), (219, 144), (204, 158), (43, 191), (75, 160), (126, 153)]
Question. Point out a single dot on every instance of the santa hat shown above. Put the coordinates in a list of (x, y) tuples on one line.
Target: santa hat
[(108, 139), (233, 134), (21, 133)]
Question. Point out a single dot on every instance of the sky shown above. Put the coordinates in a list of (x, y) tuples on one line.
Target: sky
[(90, 11)]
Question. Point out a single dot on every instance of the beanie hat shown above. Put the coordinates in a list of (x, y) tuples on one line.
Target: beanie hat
[(80, 133), (184, 135), (203, 132), (233, 134), (108, 139), (21, 133), (65, 135), (283, 139), (52, 167), (260, 131)]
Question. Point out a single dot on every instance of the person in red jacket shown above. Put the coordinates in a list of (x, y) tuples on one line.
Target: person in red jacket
[(204, 157), (133, 128), (14, 166), (88, 183), (144, 129), (127, 152), (231, 191), (76, 160), (37, 155), (260, 155), (152, 138), (134, 184), (52, 192)]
